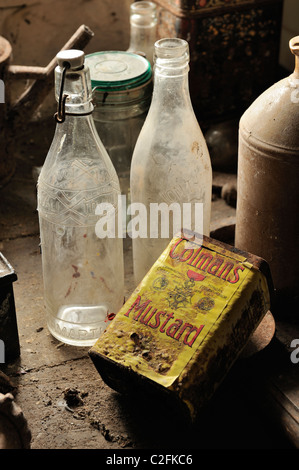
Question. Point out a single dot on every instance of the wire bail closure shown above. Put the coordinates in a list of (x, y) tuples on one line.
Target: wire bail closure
[(60, 114)]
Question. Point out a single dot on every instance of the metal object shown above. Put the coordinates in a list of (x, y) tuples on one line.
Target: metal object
[(23, 109), (268, 192), (8, 323), (208, 313), (60, 115), (234, 47)]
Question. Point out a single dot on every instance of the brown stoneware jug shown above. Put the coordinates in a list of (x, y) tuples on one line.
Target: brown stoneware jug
[(268, 186)]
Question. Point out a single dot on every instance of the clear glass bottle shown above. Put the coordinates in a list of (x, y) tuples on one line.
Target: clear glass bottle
[(143, 28), (171, 162), (82, 272)]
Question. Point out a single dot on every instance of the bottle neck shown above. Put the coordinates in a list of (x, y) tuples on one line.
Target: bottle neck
[(73, 91), (294, 47), (77, 136), (142, 37), (171, 88), (143, 28), (74, 121), (171, 73)]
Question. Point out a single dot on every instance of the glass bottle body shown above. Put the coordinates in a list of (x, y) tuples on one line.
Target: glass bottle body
[(170, 163), (83, 273)]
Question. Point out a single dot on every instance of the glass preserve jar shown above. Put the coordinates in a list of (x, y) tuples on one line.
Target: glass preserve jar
[(122, 91)]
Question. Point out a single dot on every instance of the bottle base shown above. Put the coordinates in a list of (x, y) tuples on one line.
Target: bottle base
[(78, 325)]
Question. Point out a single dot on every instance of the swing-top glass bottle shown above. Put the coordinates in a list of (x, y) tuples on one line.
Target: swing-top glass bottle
[(82, 271)]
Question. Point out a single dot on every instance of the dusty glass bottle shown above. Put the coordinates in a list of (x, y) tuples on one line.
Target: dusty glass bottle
[(143, 28), (170, 163), (82, 269)]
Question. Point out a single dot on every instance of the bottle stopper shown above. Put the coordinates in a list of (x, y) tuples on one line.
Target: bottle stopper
[(70, 58)]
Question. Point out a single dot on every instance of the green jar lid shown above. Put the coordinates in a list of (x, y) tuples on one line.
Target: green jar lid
[(117, 70)]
